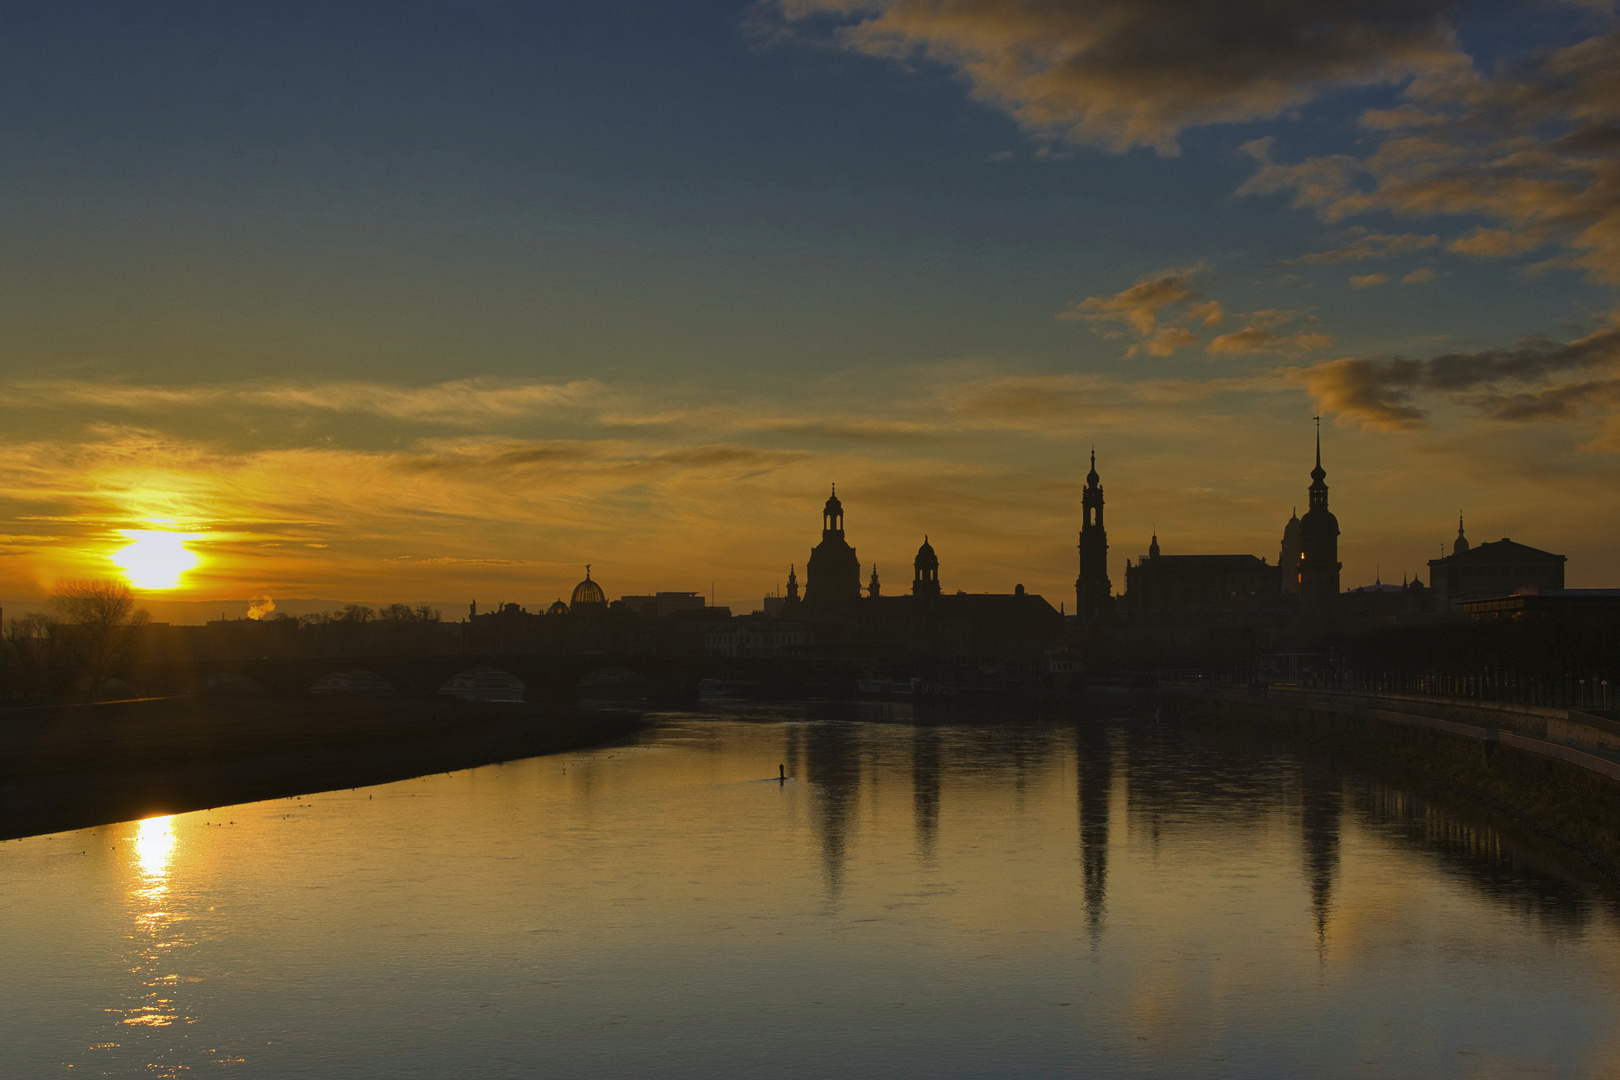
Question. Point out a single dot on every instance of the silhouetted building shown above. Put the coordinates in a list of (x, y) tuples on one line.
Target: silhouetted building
[(833, 575), (1093, 593), (1564, 605), (1319, 546), (925, 573), (588, 596), (756, 636), (1385, 603), (1291, 555), (1496, 569), (874, 587), (664, 604), (1198, 585)]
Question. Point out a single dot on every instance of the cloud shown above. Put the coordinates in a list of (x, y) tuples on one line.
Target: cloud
[(1368, 246), (1418, 277), (1140, 304), (463, 402), (1125, 73), (1259, 335), (1497, 383), (1164, 342), (1141, 307), (1368, 281), (1533, 149)]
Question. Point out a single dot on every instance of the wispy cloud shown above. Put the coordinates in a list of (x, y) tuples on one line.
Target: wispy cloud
[(1503, 384), (1534, 149), (461, 402)]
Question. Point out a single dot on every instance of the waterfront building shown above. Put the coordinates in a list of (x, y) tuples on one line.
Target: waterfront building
[(1496, 569), (1182, 586), (833, 574)]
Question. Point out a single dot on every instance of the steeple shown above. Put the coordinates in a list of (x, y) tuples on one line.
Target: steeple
[(1319, 564), (1318, 488), (874, 589), (793, 583), (1459, 545), (1093, 593), (1153, 545)]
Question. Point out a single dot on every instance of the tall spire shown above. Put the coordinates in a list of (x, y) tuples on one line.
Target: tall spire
[(1318, 473)]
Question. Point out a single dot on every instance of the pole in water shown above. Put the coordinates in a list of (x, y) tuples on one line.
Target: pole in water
[(781, 774)]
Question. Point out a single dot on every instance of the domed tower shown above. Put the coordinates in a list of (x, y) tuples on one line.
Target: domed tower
[(1093, 593), (588, 596), (874, 588), (1459, 545), (833, 574), (1319, 544), (1291, 555), (925, 572)]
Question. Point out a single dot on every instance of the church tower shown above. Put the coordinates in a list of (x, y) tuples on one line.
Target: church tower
[(1319, 543), (925, 573), (1291, 555), (1093, 593), (833, 574)]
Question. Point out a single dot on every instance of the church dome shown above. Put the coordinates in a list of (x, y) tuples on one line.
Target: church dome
[(925, 554), (588, 593), (559, 608)]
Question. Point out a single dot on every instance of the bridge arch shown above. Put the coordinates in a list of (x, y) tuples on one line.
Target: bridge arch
[(353, 682), (484, 684)]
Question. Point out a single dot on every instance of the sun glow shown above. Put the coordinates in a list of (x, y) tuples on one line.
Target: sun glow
[(154, 559), (154, 843)]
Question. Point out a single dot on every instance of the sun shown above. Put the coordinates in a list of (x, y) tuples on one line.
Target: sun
[(154, 559)]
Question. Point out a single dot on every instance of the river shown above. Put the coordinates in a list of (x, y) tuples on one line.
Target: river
[(1096, 900)]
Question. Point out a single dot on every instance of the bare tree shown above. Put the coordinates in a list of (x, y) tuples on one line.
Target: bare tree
[(356, 613), (37, 657), (405, 613), (105, 619)]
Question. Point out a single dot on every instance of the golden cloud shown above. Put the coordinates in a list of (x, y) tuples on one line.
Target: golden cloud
[(1124, 73)]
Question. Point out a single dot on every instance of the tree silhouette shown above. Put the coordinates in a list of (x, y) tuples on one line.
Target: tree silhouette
[(105, 623)]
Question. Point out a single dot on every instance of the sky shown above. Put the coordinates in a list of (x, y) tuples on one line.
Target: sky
[(446, 300)]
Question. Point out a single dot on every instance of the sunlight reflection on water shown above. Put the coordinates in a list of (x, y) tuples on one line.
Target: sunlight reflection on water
[(930, 901)]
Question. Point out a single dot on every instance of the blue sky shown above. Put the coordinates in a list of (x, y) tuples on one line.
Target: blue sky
[(773, 245)]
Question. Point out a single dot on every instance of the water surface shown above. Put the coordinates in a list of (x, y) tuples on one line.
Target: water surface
[(1042, 900)]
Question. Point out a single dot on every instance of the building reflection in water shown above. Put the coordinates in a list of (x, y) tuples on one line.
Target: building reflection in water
[(833, 767), (925, 788), (1321, 804), (1093, 756)]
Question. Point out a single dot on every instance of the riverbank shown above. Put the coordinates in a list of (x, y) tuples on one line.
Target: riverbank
[(1572, 805), (77, 766)]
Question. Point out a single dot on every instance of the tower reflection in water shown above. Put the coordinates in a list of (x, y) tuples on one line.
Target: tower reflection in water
[(1095, 769)]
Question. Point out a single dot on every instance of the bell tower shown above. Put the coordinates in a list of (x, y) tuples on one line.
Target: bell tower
[(1093, 593), (1319, 543)]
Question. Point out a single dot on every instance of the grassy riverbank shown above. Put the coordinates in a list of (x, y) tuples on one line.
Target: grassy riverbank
[(77, 766), (1559, 801)]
